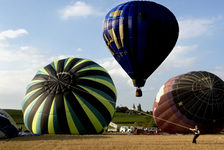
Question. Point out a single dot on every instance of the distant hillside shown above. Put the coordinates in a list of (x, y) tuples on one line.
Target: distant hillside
[(134, 119), (128, 118)]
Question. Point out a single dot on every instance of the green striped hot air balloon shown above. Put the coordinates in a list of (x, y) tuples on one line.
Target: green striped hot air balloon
[(69, 96)]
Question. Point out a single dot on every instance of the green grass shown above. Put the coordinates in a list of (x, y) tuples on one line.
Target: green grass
[(129, 119), (17, 115), (132, 119)]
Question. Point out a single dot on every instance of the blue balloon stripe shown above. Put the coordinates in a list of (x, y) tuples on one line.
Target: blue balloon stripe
[(34, 82), (41, 72), (121, 54), (55, 120), (98, 115), (75, 119), (28, 95), (38, 124), (105, 95), (90, 66), (27, 112), (101, 77), (52, 64)]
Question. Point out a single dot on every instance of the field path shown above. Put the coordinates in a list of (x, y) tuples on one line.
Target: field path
[(113, 142)]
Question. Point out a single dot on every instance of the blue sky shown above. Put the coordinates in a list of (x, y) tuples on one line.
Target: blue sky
[(34, 33)]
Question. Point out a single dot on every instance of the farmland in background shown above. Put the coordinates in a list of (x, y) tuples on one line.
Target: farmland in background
[(126, 118)]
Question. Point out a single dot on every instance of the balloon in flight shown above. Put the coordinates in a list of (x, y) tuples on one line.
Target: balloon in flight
[(140, 35)]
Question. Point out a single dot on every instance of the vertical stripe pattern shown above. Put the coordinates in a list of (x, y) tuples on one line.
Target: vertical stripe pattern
[(69, 96)]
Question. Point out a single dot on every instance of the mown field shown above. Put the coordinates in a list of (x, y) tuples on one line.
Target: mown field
[(133, 119), (113, 142), (108, 141)]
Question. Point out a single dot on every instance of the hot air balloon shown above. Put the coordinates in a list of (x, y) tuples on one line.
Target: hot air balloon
[(194, 98), (140, 35), (8, 128), (69, 96)]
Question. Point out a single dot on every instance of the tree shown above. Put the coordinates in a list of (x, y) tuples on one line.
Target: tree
[(139, 107), (133, 107), (123, 109)]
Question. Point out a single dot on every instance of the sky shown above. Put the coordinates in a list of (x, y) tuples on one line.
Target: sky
[(35, 33)]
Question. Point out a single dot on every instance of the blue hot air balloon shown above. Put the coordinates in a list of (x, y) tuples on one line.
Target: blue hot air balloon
[(140, 35)]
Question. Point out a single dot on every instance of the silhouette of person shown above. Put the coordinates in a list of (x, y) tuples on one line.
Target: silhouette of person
[(196, 133)]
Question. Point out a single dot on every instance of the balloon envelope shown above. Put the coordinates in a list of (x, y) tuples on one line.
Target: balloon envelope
[(194, 98), (8, 128), (73, 95), (140, 35)]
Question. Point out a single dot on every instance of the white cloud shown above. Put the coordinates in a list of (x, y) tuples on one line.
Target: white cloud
[(219, 68), (190, 28), (18, 67), (79, 50), (10, 34), (79, 9), (17, 70), (4, 43), (219, 71), (114, 69), (180, 57), (116, 72), (25, 48)]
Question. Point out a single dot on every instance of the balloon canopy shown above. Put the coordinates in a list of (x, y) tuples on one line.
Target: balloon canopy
[(73, 95), (8, 128), (194, 98), (140, 35)]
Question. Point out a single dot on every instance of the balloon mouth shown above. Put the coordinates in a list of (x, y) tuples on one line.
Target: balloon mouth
[(138, 92), (138, 83)]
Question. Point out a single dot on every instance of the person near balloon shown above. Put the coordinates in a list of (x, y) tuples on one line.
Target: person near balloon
[(196, 133)]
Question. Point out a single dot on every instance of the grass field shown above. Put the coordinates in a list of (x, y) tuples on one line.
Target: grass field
[(127, 119), (17, 115), (111, 142), (114, 142), (131, 119)]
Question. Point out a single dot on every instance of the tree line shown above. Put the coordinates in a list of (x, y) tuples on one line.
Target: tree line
[(125, 109)]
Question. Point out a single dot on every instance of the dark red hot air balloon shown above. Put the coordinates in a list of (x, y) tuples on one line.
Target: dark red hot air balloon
[(194, 98)]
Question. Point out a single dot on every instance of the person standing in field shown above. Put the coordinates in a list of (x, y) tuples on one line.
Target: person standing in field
[(196, 133)]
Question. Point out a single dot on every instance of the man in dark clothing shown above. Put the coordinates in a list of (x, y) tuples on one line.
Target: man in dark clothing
[(196, 133)]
